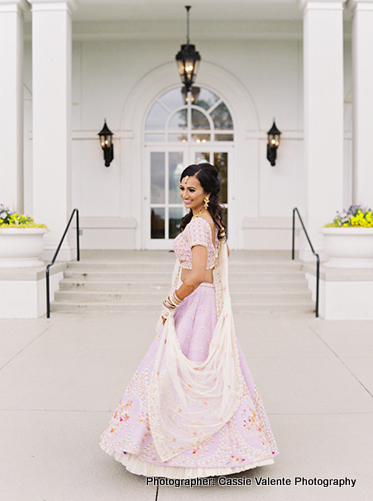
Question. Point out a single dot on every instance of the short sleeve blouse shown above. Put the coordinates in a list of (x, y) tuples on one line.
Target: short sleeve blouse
[(196, 232)]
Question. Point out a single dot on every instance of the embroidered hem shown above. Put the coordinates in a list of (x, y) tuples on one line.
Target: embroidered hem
[(139, 467)]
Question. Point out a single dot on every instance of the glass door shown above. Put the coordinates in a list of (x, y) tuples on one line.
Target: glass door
[(163, 208), (180, 130)]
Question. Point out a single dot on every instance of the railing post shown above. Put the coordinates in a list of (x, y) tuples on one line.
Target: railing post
[(77, 235), (47, 283), (317, 284), (293, 242), (313, 252), (57, 251)]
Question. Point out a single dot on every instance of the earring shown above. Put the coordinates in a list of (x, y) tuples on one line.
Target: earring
[(206, 200)]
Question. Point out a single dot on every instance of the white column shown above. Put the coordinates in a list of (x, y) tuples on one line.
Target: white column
[(11, 103), (362, 75), (323, 114), (51, 82)]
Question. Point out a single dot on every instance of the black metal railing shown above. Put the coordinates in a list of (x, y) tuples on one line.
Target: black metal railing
[(295, 210), (57, 251)]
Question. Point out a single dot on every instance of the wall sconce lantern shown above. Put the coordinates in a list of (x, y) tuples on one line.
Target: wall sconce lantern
[(273, 142), (106, 140), (194, 94), (188, 60)]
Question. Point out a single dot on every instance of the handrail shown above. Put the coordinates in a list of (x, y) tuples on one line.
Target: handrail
[(314, 253), (57, 251)]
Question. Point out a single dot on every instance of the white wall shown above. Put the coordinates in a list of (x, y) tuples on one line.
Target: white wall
[(105, 72)]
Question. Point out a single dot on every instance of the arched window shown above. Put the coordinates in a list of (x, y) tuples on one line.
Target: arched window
[(205, 119), (179, 132)]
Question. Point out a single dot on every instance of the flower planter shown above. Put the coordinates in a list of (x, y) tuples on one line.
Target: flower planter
[(348, 247), (21, 247)]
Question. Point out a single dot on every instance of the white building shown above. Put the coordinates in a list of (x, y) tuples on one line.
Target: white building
[(66, 66)]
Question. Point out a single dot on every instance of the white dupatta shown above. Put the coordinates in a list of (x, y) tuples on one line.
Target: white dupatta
[(188, 401)]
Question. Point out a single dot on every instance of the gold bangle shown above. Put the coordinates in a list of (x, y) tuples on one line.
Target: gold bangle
[(167, 303), (172, 302), (175, 299)]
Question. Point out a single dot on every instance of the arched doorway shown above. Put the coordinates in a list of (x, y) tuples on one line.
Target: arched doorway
[(178, 132)]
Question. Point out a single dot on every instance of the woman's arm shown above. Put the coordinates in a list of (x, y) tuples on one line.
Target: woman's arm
[(195, 278), (197, 274)]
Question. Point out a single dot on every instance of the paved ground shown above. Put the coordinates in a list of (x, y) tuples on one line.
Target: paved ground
[(61, 378)]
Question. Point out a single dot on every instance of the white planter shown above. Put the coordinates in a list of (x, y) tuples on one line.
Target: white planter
[(21, 247), (348, 247)]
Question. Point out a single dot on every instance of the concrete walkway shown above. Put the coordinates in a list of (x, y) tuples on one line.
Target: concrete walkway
[(61, 378)]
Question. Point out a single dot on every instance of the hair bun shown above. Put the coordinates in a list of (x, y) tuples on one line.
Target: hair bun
[(212, 168)]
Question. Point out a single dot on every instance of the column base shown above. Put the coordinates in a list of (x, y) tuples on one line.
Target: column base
[(344, 294), (23, 290)]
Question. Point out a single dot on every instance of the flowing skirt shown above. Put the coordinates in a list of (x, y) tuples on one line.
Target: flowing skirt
[(244, 442)]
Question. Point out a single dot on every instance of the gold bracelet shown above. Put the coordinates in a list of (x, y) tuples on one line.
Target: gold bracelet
[(167, 303), (172, 302), (176, 300)]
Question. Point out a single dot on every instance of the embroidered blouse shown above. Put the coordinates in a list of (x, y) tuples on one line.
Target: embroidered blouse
[(197, 232)]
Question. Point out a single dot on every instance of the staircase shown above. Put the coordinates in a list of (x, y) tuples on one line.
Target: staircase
[(138, 281)]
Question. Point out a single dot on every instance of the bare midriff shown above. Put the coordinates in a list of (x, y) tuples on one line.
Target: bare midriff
[(185, 274)]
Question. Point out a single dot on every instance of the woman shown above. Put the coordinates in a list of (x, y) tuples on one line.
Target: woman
[(192, 409)]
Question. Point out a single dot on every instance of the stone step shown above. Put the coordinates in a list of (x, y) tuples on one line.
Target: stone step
[(158, 296), (257, 307), (259, 283), (146, 266), (157, 277), (71, 284)]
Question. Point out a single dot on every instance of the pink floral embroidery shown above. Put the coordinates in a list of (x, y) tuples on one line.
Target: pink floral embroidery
[(197, 232), (246, 438)]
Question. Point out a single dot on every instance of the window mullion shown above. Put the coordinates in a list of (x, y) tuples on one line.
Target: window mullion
[(215, 105)]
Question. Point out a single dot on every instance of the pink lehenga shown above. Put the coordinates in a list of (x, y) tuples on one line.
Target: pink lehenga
[(192, 408)]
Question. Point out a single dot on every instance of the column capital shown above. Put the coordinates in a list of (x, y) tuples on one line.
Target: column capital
[(321, 4), (53, 5), (360, 4), (14, 6)]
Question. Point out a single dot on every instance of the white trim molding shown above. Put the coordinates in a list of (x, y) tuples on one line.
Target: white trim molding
[(54, 5), (321, 5), (14, 6), (360, 5)]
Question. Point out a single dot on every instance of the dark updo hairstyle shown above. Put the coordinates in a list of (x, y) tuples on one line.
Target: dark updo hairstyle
[(207, 175)]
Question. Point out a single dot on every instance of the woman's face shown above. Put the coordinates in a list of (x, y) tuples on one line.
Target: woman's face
[(192, 193)]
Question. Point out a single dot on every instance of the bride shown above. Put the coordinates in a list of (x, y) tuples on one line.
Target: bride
[(192, 408)]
